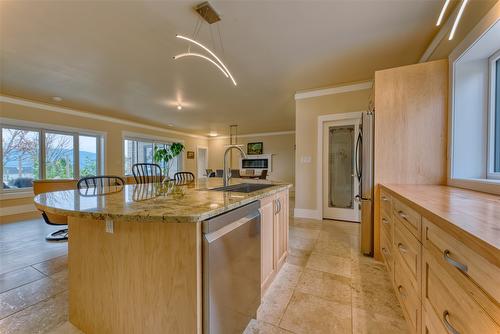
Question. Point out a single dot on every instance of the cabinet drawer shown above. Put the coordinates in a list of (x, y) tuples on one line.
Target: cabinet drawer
[(386, 250), (408, 296), (477, 276), (387, 224), (458, 312), (409, 250), (409, 217), (431, 324), (385, 202)]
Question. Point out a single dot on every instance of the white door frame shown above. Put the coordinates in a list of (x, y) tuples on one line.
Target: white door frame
[(198, 156), (355, 115)]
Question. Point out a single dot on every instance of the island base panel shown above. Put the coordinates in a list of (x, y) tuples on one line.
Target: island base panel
[(142, 278)]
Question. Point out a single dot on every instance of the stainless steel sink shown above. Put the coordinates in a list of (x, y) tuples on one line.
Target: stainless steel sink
[(244, 187)]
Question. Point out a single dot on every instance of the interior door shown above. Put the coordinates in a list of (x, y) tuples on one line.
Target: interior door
[(340, 183)]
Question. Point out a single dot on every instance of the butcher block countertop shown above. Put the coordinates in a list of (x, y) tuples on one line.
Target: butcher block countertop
[(173, 203), (472, 217)]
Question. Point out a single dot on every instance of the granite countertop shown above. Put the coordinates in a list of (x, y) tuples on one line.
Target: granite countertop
[(179, 203)]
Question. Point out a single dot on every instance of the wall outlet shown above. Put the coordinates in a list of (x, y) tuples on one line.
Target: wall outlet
[(109, 225)]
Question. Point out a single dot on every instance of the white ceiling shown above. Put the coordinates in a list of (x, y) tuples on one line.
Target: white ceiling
[(115, 58)]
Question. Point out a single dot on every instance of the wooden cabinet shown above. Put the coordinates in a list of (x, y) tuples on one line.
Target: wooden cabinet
[(274, 212), (267, 240), (442, 284)]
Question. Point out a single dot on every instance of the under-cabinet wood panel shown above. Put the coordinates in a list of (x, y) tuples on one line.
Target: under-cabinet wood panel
[(410, 128), (267, 241), (130, 255)]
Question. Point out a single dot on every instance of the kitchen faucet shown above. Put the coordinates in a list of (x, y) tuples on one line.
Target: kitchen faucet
[(226, 173)]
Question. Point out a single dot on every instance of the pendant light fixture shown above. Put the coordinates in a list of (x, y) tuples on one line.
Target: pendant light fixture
[(207, 13), (457, 18)]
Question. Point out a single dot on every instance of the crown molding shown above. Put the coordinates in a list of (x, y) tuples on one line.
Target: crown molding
[(334, 90), (85, 114), (259, 134)]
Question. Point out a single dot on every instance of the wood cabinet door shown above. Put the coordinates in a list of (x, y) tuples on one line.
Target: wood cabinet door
[(267, 239), (281, 227)]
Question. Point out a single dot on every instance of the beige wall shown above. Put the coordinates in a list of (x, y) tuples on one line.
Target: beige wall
[(306, 123), (113, 141), (281, 146)]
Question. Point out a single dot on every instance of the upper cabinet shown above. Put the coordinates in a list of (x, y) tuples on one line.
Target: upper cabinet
[(411, 107)]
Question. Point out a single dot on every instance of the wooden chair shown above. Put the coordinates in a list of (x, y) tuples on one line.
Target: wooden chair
[(44, 186), (184, 177), (100, 185), (263, 175), (210, 172), (218, 172), (147, 173), (235, 173)]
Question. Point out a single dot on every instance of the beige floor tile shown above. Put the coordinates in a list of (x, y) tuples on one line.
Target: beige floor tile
[(274, 304), (27, 295), (297, 256), (66, 328), (302, 244), (19, 277), (340, 248), (330, 264), (376, 298), (328, 286), (260, 327), (52, 266), (303, 233), (288, 277), (309, 314), (39, 318), (365, 322), (312, 224)]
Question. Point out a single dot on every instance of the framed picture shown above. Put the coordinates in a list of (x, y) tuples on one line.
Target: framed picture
[(190, 155), (255, 148)]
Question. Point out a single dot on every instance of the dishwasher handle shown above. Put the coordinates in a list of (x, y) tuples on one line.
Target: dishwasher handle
[(213, 236)]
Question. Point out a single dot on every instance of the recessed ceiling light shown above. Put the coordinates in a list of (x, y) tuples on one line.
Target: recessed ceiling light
[(57, 98), (457, 19), (213, 134), (170, 124), (179, 107)]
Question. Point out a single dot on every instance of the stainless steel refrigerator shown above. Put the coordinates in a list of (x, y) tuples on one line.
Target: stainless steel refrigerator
[(364, 172)]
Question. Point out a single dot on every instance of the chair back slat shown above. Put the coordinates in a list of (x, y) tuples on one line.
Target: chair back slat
[(184, 177), (100, 185), (146, 173)]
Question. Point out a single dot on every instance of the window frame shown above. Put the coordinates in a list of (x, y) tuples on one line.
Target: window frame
[(492, 68), (42, 130), (149, 139)]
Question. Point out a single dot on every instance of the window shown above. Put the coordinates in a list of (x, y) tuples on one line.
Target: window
[(494, 136), (35, 153), (141, 150)]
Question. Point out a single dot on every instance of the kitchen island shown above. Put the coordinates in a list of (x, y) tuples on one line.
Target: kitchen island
[(135, 253)]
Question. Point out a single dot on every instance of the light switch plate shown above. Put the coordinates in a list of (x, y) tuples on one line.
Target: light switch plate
[(109, 225)]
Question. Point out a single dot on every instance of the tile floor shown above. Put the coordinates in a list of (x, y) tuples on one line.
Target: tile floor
[(324, 287)]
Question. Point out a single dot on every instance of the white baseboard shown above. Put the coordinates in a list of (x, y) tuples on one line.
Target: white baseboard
[(17, 209), (307, 213)]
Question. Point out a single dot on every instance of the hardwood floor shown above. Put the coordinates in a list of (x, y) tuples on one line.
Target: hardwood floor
[(325, 286)]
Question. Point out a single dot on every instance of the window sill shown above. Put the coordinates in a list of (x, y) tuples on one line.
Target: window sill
[(14, 194), (491, 186)]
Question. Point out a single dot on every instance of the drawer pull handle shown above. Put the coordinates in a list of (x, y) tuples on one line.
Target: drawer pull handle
[(402, 215), (401, 291), (402, 248), (446, 322), (385, 221), (385, 199), (460, 266)]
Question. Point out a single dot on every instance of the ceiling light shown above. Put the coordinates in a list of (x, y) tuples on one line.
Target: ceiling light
[(170, 124), (211, 53), (182, 55), (443, 10), (57, 98), (457, 19), (213, 134), (179, 107)]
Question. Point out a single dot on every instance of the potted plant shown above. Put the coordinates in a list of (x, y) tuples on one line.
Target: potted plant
[(165, 157)]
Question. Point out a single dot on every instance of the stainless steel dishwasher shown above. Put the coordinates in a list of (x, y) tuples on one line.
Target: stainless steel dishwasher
[(231, 270)]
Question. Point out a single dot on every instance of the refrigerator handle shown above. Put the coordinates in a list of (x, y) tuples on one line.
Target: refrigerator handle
[(358, 158)]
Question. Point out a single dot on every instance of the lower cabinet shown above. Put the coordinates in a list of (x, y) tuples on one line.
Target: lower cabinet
[(443, 286), (274, 235)]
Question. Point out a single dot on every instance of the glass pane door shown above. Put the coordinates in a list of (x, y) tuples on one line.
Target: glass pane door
[(341, 167), (87, 153), (59, 156)]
